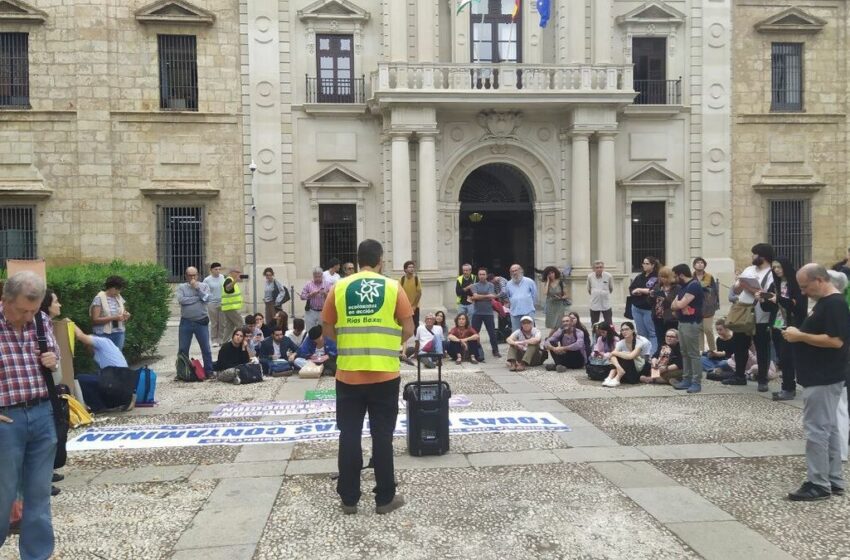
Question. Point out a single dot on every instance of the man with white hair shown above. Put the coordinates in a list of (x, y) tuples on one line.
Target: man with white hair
[(314, 294), (820, 354), (27, 429)]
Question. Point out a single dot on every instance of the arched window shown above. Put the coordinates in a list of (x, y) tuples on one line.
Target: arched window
[(496, 29)]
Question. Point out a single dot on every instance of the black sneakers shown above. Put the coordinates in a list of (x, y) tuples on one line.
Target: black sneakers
[(784, 395), (837, 490), (735, 381), (809, 492), (396, 503)]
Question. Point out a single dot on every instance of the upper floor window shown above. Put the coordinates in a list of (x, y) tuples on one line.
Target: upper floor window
[(496, 31), (14, 70), (335, 82), (178, 72), (786, 68)]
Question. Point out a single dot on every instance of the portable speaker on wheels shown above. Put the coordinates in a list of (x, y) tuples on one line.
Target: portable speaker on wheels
[(427, 411)]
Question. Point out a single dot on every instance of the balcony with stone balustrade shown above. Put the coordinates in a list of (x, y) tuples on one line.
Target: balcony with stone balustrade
[(490, 84)]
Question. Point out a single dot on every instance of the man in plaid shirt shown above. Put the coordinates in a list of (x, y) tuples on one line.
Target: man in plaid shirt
[(314, 293), (27, 431)]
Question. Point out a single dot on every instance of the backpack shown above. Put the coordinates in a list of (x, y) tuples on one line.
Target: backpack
[(146, 387), (116, 386), (185, 371), (276, 293), (198, 369), (249, 373)]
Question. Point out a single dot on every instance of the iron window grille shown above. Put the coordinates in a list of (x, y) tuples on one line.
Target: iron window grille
[(180, 239), (649, 232), (786, 68), (178, 72), (790, 229), (337, 232), (17, 233), (14, 70)]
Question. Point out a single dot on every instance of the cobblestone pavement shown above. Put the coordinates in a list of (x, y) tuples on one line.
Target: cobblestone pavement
[(646, 472)]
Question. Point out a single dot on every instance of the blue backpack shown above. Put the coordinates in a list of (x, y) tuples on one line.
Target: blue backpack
[(146, 387)]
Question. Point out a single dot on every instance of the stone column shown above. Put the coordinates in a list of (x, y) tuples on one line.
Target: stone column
[(400, 178), (602, 31), (398, 30), (427, 185), (580, 201), (606, 200), (575, 31)]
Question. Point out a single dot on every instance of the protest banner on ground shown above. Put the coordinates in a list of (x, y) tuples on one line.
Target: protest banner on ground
[(291, 408), (291, 431), (320, 395)]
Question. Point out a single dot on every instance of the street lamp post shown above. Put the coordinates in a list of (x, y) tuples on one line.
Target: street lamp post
[(253, 168)]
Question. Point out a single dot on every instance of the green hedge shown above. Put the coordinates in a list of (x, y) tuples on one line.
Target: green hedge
[(147, 297)]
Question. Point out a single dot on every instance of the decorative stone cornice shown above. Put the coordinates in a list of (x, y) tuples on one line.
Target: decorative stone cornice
[(333, 10), (16, 11), (651, 175), (792, 20), (336, 176), (652, 13), (170, 188), (33, 190), (174, 12)]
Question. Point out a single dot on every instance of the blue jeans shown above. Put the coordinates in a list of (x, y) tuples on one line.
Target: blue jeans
[(26, 462), (468, 309), (645, 326), (117, 337), (710, 364), (489, 323), (202, 333)]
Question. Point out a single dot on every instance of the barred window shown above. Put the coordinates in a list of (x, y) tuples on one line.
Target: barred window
[(337, 232), (178, 72), (14, 70), (17, 233), (649, 232), (786, 66), (180, 239), (790, 230)]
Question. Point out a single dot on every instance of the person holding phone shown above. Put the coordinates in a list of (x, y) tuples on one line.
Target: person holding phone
[(792, 304)]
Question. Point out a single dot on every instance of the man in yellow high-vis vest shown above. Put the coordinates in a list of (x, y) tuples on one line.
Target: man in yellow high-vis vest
[(368, 315), (231, 303)]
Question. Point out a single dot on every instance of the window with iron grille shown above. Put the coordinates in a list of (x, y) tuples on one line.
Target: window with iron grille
[(14, 70), (337, 232), (17, 233), (789, 226), (180, 239), (786, 67), (178, 72), (649, 232)]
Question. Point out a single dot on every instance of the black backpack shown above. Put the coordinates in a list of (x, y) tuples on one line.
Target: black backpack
[(117, 385)]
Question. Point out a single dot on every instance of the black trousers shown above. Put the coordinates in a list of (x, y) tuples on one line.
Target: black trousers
[(741, 349), (786, 361), (762, 343), (352, 403), (490, 324), (606, 314), (571, 359)]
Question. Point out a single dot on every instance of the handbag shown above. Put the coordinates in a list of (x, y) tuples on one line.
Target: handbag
[(60, 412), (742, 318), (249, 373), (597, 372), (628, 312)]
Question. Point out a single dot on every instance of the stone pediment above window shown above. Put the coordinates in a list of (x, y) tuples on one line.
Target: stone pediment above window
[(16, 11), (334, 10), (792, 20), (178, 12), (652, 13), (336, 176), (652, 175)]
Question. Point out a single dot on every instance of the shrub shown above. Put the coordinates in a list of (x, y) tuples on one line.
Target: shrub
[(147, 296)]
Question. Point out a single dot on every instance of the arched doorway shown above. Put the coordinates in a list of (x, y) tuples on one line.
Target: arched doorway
[(497, 219)]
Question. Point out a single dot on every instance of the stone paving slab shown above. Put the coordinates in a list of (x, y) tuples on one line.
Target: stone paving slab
[(768, 448), (727, 540), (235, 513), (586, 436), (121, 521), (688, 451), (676, 503), (594, 454), (265, 452), (634, 475), (144, 474), (531, 457), (312, 466), (754, 490), (547, 511), (117, 458), (239, 470), (691, 419), (236, 552)]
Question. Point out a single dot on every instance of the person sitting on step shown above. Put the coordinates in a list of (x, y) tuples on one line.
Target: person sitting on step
[(568, 345), (524, 345), (463, 341), (667, 365)]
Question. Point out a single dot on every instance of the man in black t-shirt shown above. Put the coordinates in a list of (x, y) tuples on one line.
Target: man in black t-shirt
[(820, 356), (688, 309)]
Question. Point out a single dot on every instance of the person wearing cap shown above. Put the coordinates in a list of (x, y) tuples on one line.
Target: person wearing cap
[(524, 345), (231, 301)]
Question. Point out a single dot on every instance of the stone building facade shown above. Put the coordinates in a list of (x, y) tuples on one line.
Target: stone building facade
[(790, 129), (478, 135), (121, 131)]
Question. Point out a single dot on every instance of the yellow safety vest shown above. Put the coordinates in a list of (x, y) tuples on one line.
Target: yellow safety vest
[(368, 336), (229, 302), (459, 280)]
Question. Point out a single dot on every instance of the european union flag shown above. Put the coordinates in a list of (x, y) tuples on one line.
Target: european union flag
[(543, 10)]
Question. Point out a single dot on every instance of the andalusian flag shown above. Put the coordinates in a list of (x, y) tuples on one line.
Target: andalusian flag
[(461, 4)]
